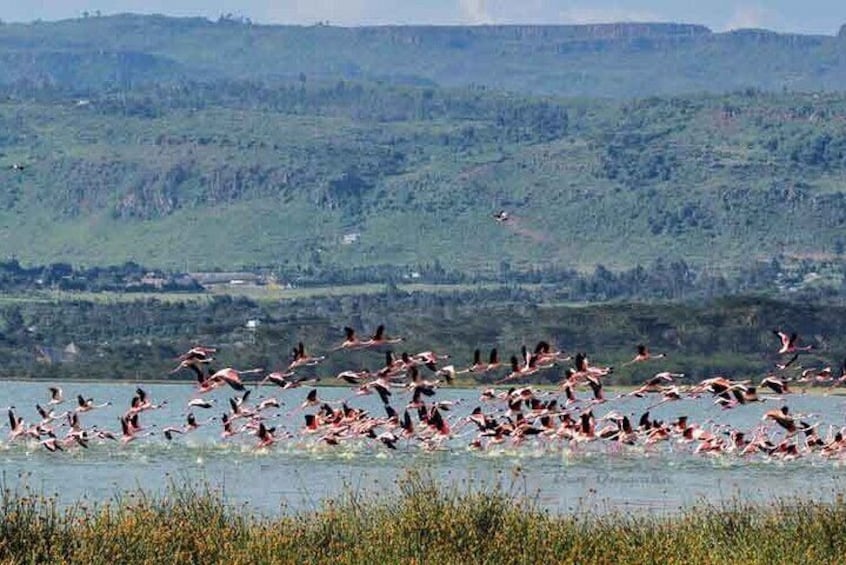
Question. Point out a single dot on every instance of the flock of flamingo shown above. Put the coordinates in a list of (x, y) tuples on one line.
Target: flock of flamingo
[(507, 412)]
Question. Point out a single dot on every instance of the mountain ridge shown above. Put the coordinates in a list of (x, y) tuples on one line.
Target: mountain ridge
[(622, 60), (228, 145)]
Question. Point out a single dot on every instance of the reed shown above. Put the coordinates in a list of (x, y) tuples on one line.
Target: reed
[(417, 521)]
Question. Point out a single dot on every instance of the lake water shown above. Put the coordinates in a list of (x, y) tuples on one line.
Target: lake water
[(299, 473)]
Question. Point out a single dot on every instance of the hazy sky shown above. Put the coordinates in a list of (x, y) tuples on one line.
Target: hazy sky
[(802, 16)]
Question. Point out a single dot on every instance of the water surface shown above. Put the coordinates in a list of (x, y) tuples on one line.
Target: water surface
[(299, 473)]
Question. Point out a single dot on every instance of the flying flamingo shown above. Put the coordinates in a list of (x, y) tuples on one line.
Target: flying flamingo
[(654, 384), (353, 377), (51, 444), (129, 430), (87, 404), (351, 340), (232, 377), (479, 366), (56, 396), (300, 358), (201, 403), (643, 354), (776, 384), (265, 436), (429, 359), (17, 428), (379, 338), (788, 343)]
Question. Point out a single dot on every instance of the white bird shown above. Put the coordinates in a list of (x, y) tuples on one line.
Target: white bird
[(56, 396), (201, 402)]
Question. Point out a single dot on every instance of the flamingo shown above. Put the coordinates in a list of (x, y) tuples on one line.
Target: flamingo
[(56, 396), (87, 404), (16, 425), (379, 338), (776, 384), (655, 383), (382, 387), (267, 403), (232, 377), (788, 343), (51, 444), (351, 341), (643, 354), (201, 403), (141, 402), (428, 358), (448, 373), (47, 416), (228, 430), (529, 366), (841, 378), (302, 359), (783, 418), (353, 377), (199, 353), (195, 357), (480, 366), (583, 368), (788, 363), (239, 409), (545, 355), (596, 387), (129, 429), (668, 394), (265, 436)]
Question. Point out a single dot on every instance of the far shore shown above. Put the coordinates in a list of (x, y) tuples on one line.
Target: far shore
[(610, 390)]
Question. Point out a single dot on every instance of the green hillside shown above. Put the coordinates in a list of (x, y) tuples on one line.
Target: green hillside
[(186, 144), (221, 175), (612, 60)]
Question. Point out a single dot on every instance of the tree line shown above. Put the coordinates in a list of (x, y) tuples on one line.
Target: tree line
[(141, 339), (662, 280)]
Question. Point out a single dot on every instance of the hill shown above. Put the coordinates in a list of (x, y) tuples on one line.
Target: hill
[(610, 60), (200, 176), (191, 145)]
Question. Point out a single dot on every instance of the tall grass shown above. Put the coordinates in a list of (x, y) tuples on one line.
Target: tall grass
[(416, 522)]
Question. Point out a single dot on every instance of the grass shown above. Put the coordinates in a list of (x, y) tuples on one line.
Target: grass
[(269, 292), (416, 521), (257, 293)]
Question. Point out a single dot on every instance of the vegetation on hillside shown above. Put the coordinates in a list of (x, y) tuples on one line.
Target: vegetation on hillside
[(613, 60), (345, 175), (187, 146)]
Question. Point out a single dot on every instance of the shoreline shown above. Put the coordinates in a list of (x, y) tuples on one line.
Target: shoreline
[(416, 520), (332, 383)]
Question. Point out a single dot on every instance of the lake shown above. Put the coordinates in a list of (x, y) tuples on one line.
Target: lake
[(299, 473)]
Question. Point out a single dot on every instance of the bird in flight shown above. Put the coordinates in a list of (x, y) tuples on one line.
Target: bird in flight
[(643, 354), (788, 343)]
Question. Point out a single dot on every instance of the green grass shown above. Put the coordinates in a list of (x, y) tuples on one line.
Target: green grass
[(260, 293), (415, 521)]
